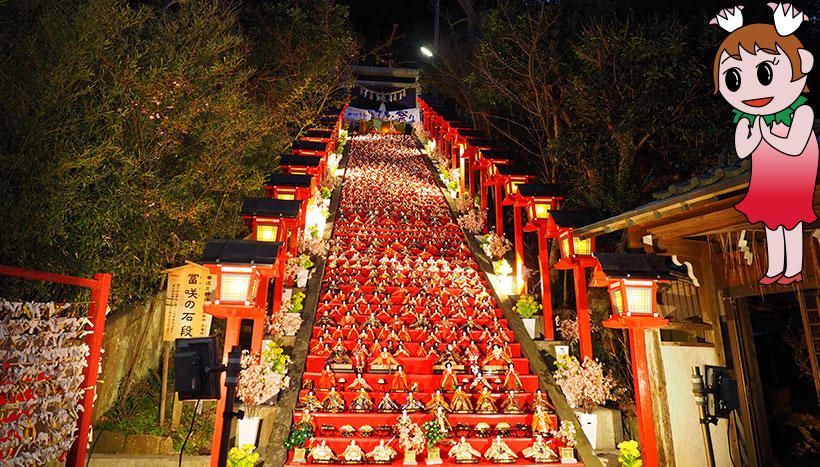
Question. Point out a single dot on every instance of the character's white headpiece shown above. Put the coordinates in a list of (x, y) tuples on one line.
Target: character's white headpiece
[(786, 18), (729, 18)]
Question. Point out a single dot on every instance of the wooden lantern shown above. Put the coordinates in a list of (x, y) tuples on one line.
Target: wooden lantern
[(273, 220), (242, 270), (632, 281)]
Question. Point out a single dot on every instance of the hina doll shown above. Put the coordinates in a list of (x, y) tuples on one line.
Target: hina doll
[(399, 383), (325, 320), (338, 333), (540, 451), (338, 356), (485, 403), (385, 359), (472, 354), (360, 358), (499, 452), (511, 404), (322, 454), (371, 320), (401, 351), (496, 358), (541, 421), (444, 426), (404, 334), (327, 379), (479, 380), (333, 402), (437, 400), (382, 454), (422, 350), (321, 349), (449, 381), (359, 383), (348, 319), (387, 405), (464, 453), (309, 402), (460, 402), (362, 403), (309, 418), (511, 380), (538, 399), (352, 333), (375, 347), (464, 340), (412, 404), (353, 454)]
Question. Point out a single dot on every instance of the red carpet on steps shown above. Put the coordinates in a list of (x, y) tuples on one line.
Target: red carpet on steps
[(397, 259)]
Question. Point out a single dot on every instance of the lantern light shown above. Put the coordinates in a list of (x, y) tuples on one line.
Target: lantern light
[(272, 219), (289, 186), (541, 200), (266, 233)]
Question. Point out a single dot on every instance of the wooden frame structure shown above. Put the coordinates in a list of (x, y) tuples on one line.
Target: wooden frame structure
[(100, 289)]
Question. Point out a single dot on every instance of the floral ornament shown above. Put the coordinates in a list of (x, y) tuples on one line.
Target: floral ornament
[(433, 433), (628, 454), (286, 324), (585, 385), (263, 375), (565, 434), (495, 246), (526, 306), (473, 221), (300, 434), (243, 457)]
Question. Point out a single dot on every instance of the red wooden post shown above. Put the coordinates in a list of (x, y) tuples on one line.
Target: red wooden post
[(231, 339), (643, 397), (96, 314), (499, 214), (470, 169), (519, 250), (546, 289), (100, 289), (582, 306), (484, 207)]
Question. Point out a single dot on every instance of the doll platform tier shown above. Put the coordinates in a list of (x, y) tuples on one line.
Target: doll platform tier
[(403, 302)]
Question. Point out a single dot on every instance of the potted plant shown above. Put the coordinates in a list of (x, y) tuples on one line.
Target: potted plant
[(434, 436), (286, 324), (300, 433), (526, 308), (495, 246), (566, 436), (473, 221), (628, 454), (297, 302), (304, 264), (586, 387), (261, 379), (243, 457), (453, 187)]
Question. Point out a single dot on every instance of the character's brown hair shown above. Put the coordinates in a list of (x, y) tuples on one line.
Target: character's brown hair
[(766, 38)]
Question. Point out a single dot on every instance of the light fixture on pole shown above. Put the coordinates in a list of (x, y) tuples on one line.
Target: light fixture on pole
[(426, 51), (633, 281)]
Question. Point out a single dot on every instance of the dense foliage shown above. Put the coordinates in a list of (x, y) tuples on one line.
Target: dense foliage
[(131, 134), (615, 102)]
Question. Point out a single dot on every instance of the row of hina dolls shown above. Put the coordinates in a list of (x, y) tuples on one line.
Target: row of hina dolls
[(379, 357)]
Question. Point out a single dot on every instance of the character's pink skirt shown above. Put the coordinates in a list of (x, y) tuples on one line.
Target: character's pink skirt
[(781, 190)]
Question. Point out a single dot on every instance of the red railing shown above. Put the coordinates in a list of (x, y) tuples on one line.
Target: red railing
[(100, 287)]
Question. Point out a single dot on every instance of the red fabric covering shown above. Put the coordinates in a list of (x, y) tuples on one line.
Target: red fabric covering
[(397, 253)]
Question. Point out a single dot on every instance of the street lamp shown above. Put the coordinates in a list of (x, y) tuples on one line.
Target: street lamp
[(426, 52)]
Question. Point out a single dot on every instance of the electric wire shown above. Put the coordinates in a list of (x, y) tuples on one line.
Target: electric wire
[(190, 430)]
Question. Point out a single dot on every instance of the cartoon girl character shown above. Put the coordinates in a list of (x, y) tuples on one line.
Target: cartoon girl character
[(760, 69)]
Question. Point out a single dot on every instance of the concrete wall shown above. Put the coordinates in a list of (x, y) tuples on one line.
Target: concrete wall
[(132, 341), (678, 361)]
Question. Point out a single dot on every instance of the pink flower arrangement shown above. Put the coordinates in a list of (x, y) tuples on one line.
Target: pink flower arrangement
[(315, 247), (263, 375), (585, 385), (463, 204), (565, 434), (286, 324), (473, 221), (568, 329), (495, 246)]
